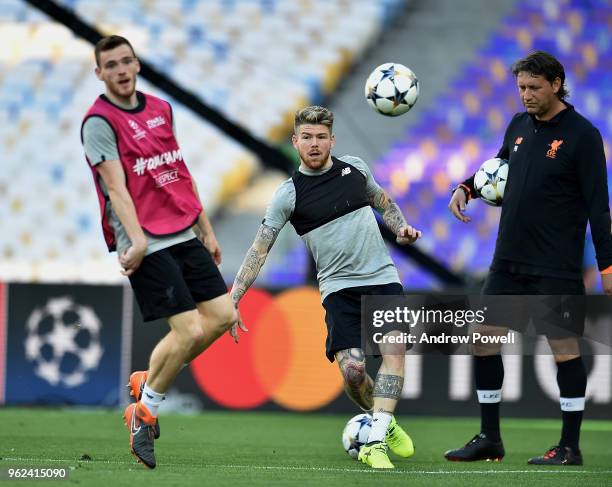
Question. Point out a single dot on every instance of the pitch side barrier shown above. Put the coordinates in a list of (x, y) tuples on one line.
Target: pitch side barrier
[(280, 365), (77, 344), (268, 155)]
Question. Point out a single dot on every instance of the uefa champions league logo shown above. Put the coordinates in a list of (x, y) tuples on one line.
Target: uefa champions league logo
[(63, 342)]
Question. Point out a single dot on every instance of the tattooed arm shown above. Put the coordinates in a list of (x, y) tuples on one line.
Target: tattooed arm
[(253, 261), (278, 213), (393, 217)]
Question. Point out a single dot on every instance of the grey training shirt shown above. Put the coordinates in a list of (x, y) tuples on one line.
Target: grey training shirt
[(348, 251)]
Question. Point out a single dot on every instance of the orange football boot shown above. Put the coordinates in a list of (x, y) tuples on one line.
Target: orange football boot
[(136, 385)]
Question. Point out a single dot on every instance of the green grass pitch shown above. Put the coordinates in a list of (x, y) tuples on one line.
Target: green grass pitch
[(250, 448)]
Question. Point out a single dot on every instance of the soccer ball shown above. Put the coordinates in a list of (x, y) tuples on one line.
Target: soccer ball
[(392, 89), (490, 180), (63, 342), (356, 433)]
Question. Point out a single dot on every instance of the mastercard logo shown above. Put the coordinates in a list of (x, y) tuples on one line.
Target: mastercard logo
[(281, 358)]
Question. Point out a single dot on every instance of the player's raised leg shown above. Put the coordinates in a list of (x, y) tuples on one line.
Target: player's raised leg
[(358, 385), (191, 333), (218, 315), (166, 361)]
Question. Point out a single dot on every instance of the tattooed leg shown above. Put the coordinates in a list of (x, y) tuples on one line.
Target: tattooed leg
[(387, 391), (389, 381), (358, 385)]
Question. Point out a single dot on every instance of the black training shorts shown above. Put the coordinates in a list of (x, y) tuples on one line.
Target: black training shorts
[(343, 315), (560, 316), (174, 279)]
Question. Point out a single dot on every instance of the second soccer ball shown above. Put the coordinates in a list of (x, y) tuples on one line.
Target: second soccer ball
[(392, 89), (490, 181)]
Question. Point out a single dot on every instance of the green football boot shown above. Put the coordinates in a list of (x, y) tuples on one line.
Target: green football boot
[(375, 455), (398, 440)]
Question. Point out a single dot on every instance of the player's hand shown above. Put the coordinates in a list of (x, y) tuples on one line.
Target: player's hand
[(234, 329), (131, 258), (606, 280), (457, 205), (407, 235), (211, 244)]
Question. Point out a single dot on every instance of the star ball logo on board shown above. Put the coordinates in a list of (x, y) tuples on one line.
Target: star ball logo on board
[(63, 342), (281, 358)]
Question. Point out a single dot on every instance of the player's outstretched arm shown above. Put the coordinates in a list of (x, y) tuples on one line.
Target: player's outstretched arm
[(249, 270), (393, 217), (113, 176), (253, 261)]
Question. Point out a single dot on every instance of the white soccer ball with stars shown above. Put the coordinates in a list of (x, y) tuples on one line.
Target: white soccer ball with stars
[(392, 89), (490, 181), (63, 342), (356, 433)]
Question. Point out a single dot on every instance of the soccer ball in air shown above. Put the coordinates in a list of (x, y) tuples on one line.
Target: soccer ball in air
[(490, 180), (356, 433), (63, 342), (392, 89)]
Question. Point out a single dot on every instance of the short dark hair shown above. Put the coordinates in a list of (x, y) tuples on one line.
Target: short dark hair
[(108, 43), (541, 63), (314, 115)]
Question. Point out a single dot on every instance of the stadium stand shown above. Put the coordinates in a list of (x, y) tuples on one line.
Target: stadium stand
[(236, 56), (465, 126)]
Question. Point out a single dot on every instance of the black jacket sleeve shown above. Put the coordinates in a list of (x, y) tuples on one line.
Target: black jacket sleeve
[(593, 180), (469, 182)]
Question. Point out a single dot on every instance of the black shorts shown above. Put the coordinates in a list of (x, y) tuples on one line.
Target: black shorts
[(343, 315), (560, 316), (174, 279)]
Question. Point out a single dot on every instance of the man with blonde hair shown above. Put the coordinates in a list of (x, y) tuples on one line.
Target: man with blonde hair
[(328, 201)]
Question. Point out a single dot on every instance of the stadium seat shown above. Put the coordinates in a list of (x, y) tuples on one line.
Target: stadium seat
[(212, 48), (470, 123)]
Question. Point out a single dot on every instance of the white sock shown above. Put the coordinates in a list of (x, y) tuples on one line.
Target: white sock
[(380, 425), (151, 399)]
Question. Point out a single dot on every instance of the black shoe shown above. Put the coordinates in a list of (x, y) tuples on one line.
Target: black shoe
[(478, 448), (558, 455)]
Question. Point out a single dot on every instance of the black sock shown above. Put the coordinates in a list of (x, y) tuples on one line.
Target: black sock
[(489, 375), (572, 380)]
